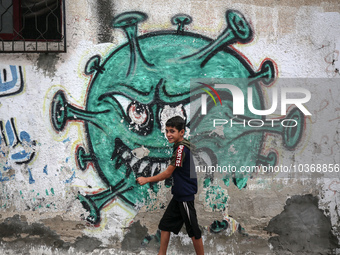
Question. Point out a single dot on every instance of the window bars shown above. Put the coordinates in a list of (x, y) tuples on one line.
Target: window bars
[(32, 26)]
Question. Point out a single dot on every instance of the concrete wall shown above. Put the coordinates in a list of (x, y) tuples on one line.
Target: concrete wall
[(69, 157)]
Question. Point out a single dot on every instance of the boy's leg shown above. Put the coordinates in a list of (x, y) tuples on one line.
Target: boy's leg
[(190, 218), (165, 237), (171, 222), (198, 245)]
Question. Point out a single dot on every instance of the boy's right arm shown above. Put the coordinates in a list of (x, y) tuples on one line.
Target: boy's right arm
[(159, 177)]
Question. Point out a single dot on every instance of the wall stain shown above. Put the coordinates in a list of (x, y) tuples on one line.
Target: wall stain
[(133, 239), (105, 15), (302, 228), (17, 233), (47, 63)]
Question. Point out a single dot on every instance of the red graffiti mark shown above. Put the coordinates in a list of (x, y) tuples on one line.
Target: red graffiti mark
[(323, 105), (326, 142), (335, 189), (337, 118)]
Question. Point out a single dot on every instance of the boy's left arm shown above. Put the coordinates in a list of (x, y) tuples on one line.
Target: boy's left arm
[(159, 177)]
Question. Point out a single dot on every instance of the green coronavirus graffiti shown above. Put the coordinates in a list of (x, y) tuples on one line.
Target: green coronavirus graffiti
[(139, 84)]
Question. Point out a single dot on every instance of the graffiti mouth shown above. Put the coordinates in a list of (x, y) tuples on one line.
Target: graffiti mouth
[(123, 155), (146, 166)]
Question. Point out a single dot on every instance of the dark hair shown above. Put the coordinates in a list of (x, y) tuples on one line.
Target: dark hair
[(176, 122)]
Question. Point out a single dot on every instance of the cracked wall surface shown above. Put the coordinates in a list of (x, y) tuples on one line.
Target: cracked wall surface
[(77, 128)]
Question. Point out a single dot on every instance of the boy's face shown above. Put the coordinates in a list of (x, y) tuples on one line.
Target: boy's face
[(174, 135)]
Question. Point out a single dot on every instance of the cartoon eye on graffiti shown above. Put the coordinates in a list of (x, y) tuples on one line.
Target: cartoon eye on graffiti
[(137, 84)]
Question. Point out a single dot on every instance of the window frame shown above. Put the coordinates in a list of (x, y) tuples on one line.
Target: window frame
[(16, 37), (16, 22)]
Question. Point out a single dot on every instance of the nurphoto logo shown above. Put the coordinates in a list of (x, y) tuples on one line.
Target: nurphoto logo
[(238, 99)]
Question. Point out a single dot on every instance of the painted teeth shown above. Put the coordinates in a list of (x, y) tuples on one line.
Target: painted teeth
[(146, 166), (126, 155), (142, 166), (133, 161), (163, 166), (154, 167)]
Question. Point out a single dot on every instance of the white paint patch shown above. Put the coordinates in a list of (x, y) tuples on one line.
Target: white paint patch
[(169, 112), (185, 239), (232, 149), (140, 152), (218, 130)]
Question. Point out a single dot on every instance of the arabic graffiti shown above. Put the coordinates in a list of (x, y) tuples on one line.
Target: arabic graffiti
[(11, 80), (15, 148)]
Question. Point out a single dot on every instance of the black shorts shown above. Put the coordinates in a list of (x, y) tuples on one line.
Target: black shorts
[(178, 213)]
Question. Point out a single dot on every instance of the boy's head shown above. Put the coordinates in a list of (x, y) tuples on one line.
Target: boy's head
[(176, 122), (175, 128)]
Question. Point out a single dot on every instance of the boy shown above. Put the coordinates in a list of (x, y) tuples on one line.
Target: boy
[(181, 207)]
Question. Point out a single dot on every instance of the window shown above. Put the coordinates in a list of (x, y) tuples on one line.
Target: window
[(32, 26)]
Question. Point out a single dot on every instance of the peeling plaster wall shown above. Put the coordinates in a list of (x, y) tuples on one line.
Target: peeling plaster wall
[(48, 174)]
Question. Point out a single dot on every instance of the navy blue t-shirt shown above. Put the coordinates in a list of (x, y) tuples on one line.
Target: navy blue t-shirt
[(184, 177)]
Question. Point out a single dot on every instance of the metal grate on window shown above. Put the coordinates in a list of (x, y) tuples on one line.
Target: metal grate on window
[(32, 26)]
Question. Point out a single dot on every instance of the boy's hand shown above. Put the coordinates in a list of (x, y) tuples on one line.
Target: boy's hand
[(142, 180)]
